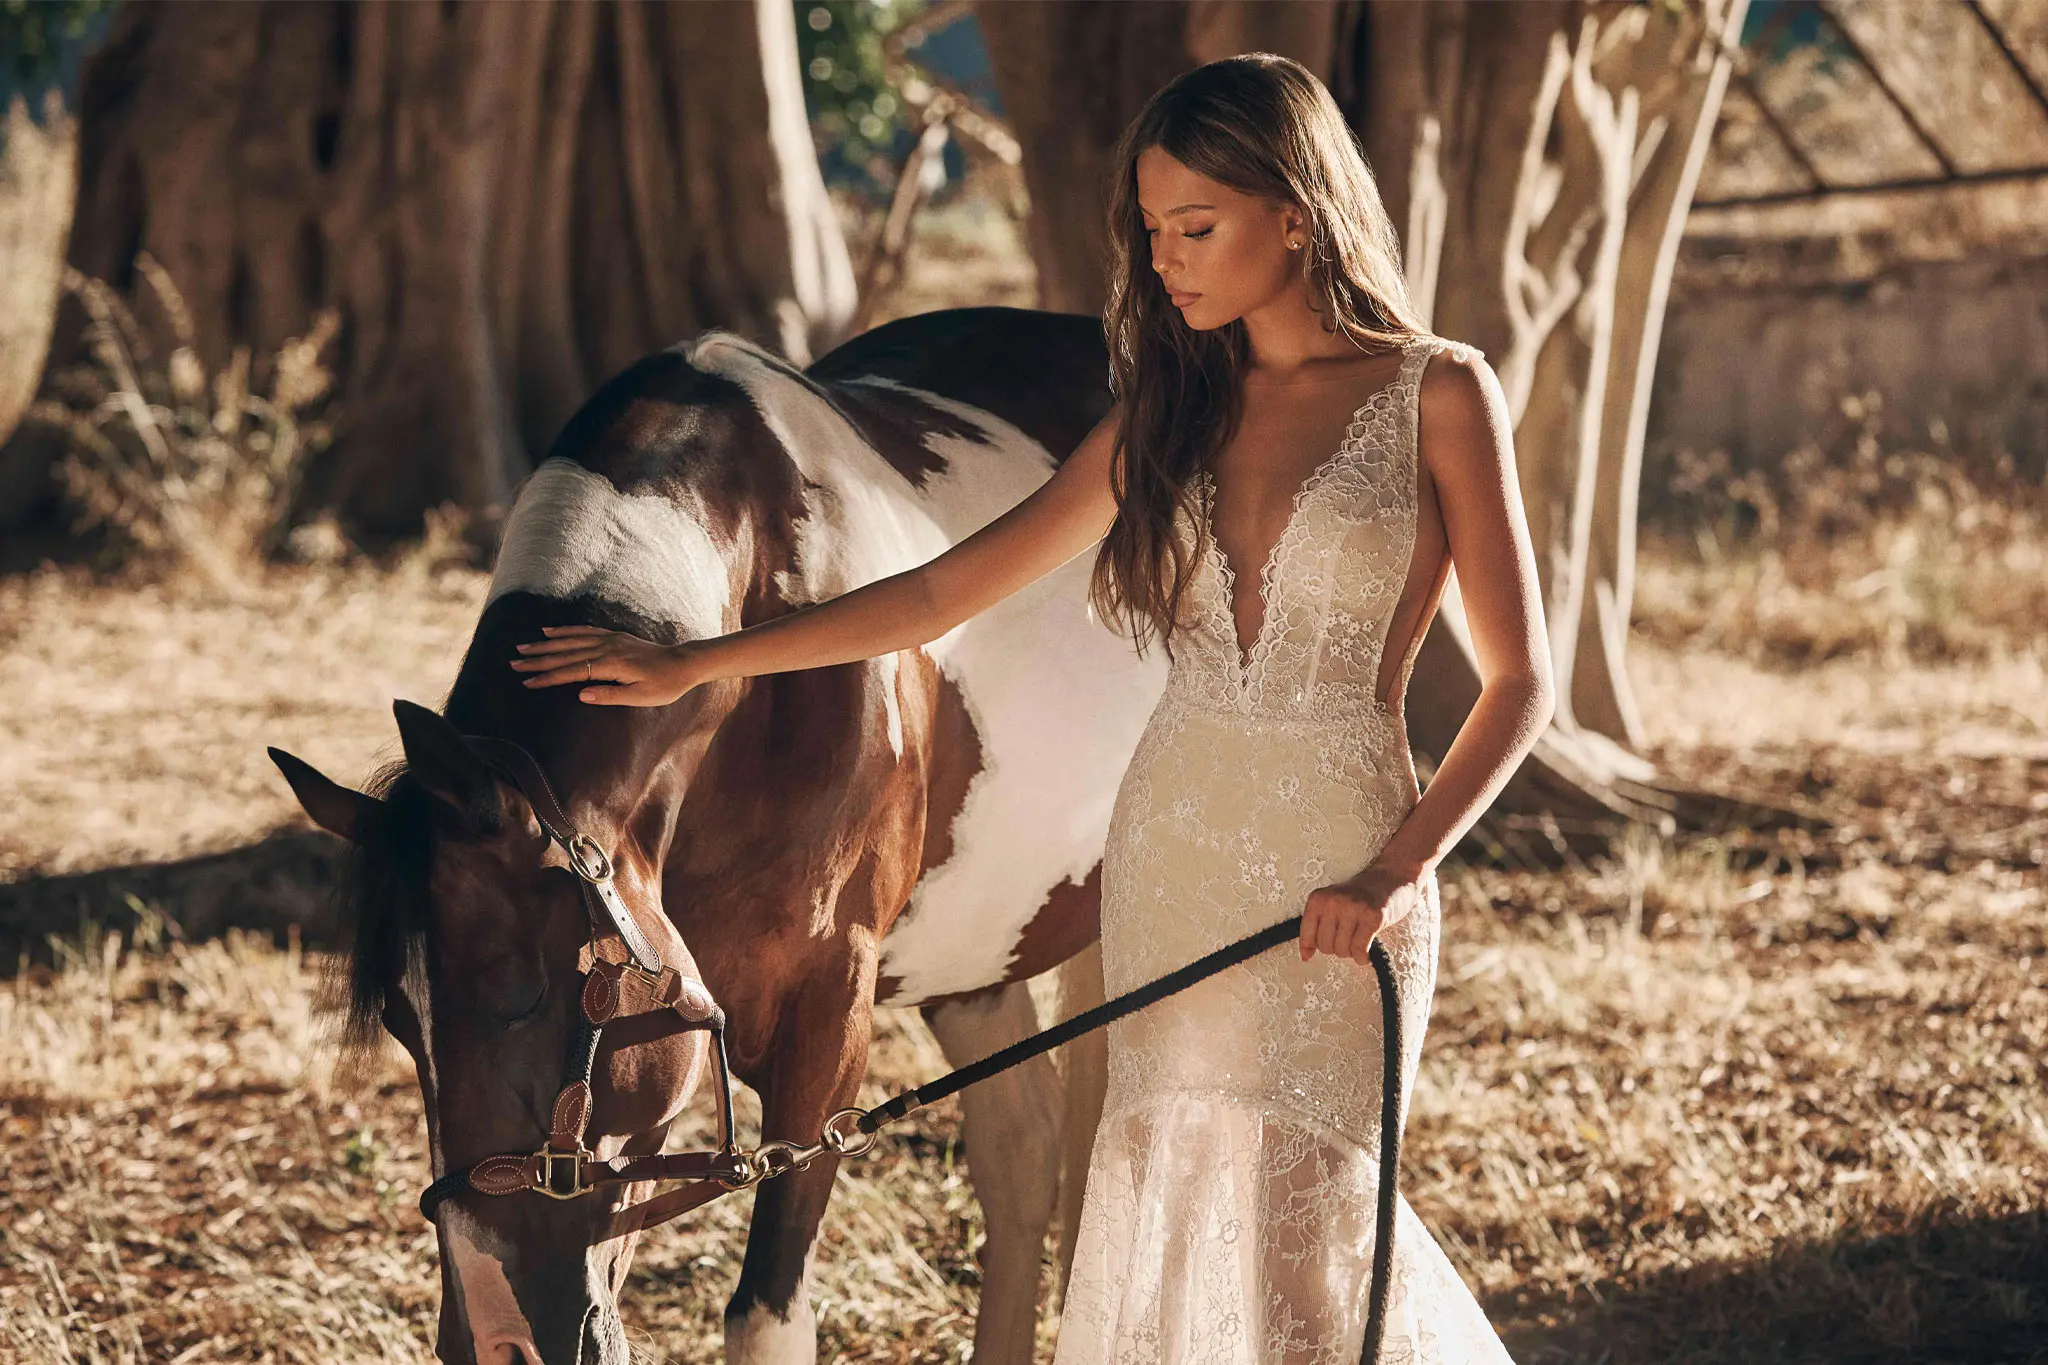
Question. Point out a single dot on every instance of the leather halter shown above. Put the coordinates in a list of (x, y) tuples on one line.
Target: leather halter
[(563, 1168)]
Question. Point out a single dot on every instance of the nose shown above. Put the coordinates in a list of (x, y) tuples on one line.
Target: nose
[(1164, 258), (508, 1350)]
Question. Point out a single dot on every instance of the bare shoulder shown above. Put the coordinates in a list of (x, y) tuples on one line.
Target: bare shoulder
[(1093, 454), (1462, 410)]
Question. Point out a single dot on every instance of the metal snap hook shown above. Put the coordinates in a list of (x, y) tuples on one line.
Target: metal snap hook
[(849, 1141)]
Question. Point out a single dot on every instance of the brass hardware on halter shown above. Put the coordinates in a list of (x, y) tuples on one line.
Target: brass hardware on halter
[(589, 860), (843, 1142), (544, 1176)]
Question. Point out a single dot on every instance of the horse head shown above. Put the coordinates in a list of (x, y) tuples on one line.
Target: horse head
[(475, 939)]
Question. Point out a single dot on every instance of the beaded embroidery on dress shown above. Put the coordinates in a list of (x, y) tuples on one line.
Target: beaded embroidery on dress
[(1229, 1212)]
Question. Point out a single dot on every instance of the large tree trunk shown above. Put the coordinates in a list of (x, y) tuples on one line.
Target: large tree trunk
[(1071, 76), (1539, 158), (1558, 261), (508, 203), (38, 182), (1553, 148)]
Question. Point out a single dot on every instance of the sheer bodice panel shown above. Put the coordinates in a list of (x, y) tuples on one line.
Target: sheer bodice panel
[(1330, 584), (1228, 1214)]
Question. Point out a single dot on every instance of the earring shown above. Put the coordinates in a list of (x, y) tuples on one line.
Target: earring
[(1293, 245)]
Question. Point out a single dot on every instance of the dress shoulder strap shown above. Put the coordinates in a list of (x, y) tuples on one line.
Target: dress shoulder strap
[(1416, 354), (1415, 358)]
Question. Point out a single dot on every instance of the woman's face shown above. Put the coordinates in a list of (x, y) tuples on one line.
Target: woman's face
[(1220, 253)]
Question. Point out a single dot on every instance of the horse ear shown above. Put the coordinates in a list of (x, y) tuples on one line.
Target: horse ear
[(445, 766), (338, 809)]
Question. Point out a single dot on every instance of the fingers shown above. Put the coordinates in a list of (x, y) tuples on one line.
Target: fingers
[(556, 677), (1342, 933), (1367, 928), (621, 694), (536, 663), (560, 644), (1340, 927), (1326, 930), (597, 669), (1319, 923), (620, 664)]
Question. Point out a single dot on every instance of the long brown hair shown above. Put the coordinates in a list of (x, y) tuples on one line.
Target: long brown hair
[(1263, 125)]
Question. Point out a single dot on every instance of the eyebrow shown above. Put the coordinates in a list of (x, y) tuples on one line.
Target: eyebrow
[(1178, 208)]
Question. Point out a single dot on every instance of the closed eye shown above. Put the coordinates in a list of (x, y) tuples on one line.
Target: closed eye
[(528, 1012)]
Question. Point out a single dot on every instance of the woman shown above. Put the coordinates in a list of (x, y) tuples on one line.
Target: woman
[(1278, 496)]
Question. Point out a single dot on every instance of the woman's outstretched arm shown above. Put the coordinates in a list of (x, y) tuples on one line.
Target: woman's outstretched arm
[(1064, 516)]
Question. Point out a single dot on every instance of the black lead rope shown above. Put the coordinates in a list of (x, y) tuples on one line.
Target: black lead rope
[(1208, 965)]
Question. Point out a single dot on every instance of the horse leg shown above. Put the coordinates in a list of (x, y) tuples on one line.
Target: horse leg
[(1084, 1066), (1011, 1131), (820, 1055)]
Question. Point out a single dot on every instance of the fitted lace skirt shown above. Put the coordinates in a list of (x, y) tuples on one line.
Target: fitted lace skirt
[(1229, 1210)]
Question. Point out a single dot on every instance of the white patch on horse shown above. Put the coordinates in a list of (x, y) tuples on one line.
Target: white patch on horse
[(862, 520), (572, 533), (761, 1336), (893, 717), (1057, 699), (489, 1306)]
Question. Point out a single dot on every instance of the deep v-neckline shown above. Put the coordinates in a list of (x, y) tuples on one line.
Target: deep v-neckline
[(1244, 660)]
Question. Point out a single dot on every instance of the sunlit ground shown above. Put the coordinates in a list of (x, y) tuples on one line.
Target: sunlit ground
[(1675, 1106)]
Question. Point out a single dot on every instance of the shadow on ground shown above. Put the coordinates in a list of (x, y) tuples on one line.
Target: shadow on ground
[(286, 878), (1946, 1293)]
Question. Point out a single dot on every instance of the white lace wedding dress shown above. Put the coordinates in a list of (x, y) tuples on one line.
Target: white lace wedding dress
[(1229, 1212)]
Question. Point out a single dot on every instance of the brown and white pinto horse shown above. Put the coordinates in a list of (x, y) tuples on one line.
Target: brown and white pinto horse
[(923, 828)]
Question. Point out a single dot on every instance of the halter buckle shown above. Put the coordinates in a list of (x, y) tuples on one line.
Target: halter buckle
[(589, 861), (544, 1179)]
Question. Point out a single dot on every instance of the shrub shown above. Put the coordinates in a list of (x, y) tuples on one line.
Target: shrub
[(198, 468)]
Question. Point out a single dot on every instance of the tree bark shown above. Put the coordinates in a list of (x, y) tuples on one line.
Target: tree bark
[(507, 203), (1550, 150), (1685, 97), (38, 174), (1071, 76)]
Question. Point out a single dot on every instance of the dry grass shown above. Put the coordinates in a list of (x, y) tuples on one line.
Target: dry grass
[(200, 469), (1677, 1106), (1855, 550), (136, 714), (1673, 1107)]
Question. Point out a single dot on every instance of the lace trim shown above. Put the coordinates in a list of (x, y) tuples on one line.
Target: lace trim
[(1363, 417), (1244, 678)]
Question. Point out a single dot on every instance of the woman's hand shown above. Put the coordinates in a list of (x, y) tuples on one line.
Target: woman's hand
[(632, 671), (1342, 919)]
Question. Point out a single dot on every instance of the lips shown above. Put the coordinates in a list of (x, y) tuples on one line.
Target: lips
[(1181, 300)]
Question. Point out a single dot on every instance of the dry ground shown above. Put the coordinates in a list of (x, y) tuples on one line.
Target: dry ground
[(1679, 1105), (1674, 1107)]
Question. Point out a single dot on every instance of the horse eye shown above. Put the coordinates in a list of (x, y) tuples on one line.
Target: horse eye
[(520, 1014)]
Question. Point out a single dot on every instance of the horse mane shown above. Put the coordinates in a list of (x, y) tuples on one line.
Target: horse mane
[(383, 896)]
